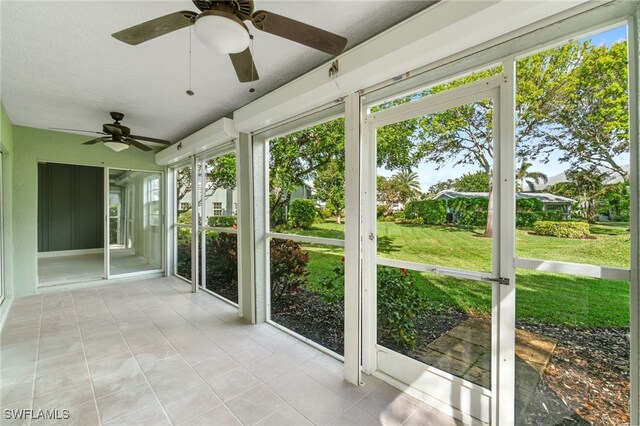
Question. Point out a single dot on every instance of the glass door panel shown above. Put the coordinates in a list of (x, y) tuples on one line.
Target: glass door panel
[(218, 208), (135, 221), (435, 258)]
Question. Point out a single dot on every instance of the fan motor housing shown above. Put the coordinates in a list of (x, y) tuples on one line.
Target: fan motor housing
[(241, 8)]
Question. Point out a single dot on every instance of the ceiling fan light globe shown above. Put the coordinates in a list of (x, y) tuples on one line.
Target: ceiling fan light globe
[(224, 33), (117, 146)]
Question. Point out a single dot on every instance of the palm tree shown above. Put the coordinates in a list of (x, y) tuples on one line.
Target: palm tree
[(530, 178), (408, 185)]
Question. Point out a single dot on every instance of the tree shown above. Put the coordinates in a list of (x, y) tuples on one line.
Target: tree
[(220, 173), (464, 135), (586, 186), (408, 184), (296, 159), (468, 182), (329, 186), (592, 123), (523, 175)]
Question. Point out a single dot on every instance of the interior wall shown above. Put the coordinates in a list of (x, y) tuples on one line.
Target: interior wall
[(70, 207), (7, 146), (32, 146)]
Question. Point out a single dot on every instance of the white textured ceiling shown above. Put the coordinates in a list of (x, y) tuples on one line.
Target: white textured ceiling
[(61, 67)]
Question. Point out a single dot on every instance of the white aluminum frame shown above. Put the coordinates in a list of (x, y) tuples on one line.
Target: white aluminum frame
[(2, 213), (261, 140), (163, 236), (200, 159), (456, 396)]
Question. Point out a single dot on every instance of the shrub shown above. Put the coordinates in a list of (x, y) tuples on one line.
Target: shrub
[(288, 268), (399, 214), (562, 229), (529, 205), (333, 285), (399, 303), (302, 213), (554, 215), (470, 211), (222, 221), (184, 253), (416, 221), (222, 264), (527, 219), (432, 212), (386, 219), (473, 218)]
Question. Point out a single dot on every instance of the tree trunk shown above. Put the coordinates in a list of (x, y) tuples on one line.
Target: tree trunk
[(488, 231), (338, 219)]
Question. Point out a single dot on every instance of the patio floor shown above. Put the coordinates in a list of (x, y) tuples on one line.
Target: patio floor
[(152, 352)]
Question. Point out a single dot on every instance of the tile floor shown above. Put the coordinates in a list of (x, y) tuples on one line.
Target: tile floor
[(152, 353), (88, 267)]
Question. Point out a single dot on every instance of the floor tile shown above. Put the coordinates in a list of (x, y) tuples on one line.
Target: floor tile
[(354, 416), (268, 368), (161, 367), (232, 384), (219, 415), (176, 382), (151, 415), (255, 405), (286, 416), (304, 393), (193, 401), (75, 375), (386, 405), (125, 401)]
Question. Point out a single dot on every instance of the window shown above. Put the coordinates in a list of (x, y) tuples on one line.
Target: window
[(217, 209)]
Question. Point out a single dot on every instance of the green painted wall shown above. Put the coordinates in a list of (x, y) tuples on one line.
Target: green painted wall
[(6, 145), (35, 145)]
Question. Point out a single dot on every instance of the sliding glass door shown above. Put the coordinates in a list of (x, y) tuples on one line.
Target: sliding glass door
[(135, 222)]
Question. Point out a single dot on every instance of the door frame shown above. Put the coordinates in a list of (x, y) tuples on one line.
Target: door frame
[(462, 399)]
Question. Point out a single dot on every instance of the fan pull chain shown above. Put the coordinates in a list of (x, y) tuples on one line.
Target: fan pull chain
[(252, 89), (189, 91)]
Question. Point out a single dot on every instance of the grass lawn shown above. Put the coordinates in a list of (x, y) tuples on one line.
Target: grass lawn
[(541, 297)]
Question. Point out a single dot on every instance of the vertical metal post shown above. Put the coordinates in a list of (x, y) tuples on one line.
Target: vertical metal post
[(504, 309), (353, 235), (260, 203), (195, 260), (634, 225), (106, 258)]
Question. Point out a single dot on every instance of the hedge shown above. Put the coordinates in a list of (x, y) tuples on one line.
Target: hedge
[(222, 221), (432, 212), (302, 213), (562, 229)]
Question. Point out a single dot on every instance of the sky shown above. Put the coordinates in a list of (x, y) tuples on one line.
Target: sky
[(429, 176)]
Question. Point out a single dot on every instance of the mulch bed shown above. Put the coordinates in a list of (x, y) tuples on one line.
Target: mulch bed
[(585, 382)]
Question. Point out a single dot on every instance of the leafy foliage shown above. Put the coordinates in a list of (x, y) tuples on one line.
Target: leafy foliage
[(222, 264), (562, 229), (288, 268), (302, 213), (222, 221), (399, 303), (329, 186), (432, 212)]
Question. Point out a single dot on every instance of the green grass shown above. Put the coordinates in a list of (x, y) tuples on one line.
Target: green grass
[(541, 297)]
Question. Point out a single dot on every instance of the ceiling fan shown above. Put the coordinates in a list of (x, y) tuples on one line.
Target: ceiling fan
[(119, 137), (220, 25)]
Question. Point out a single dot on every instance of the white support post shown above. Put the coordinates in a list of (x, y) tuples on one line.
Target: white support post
[(195, 258), (246, 294), (353, 238), (503, 397), (634, 178), (260, 219)]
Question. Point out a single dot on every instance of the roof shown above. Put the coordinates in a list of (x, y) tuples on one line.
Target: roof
[(544, 197)]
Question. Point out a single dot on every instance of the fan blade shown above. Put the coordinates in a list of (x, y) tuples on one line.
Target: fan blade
[(94, 141), (244, 66), (156, 27), (145, 138), (299, 32), (114, 130), (77, 130), (138, 145)]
